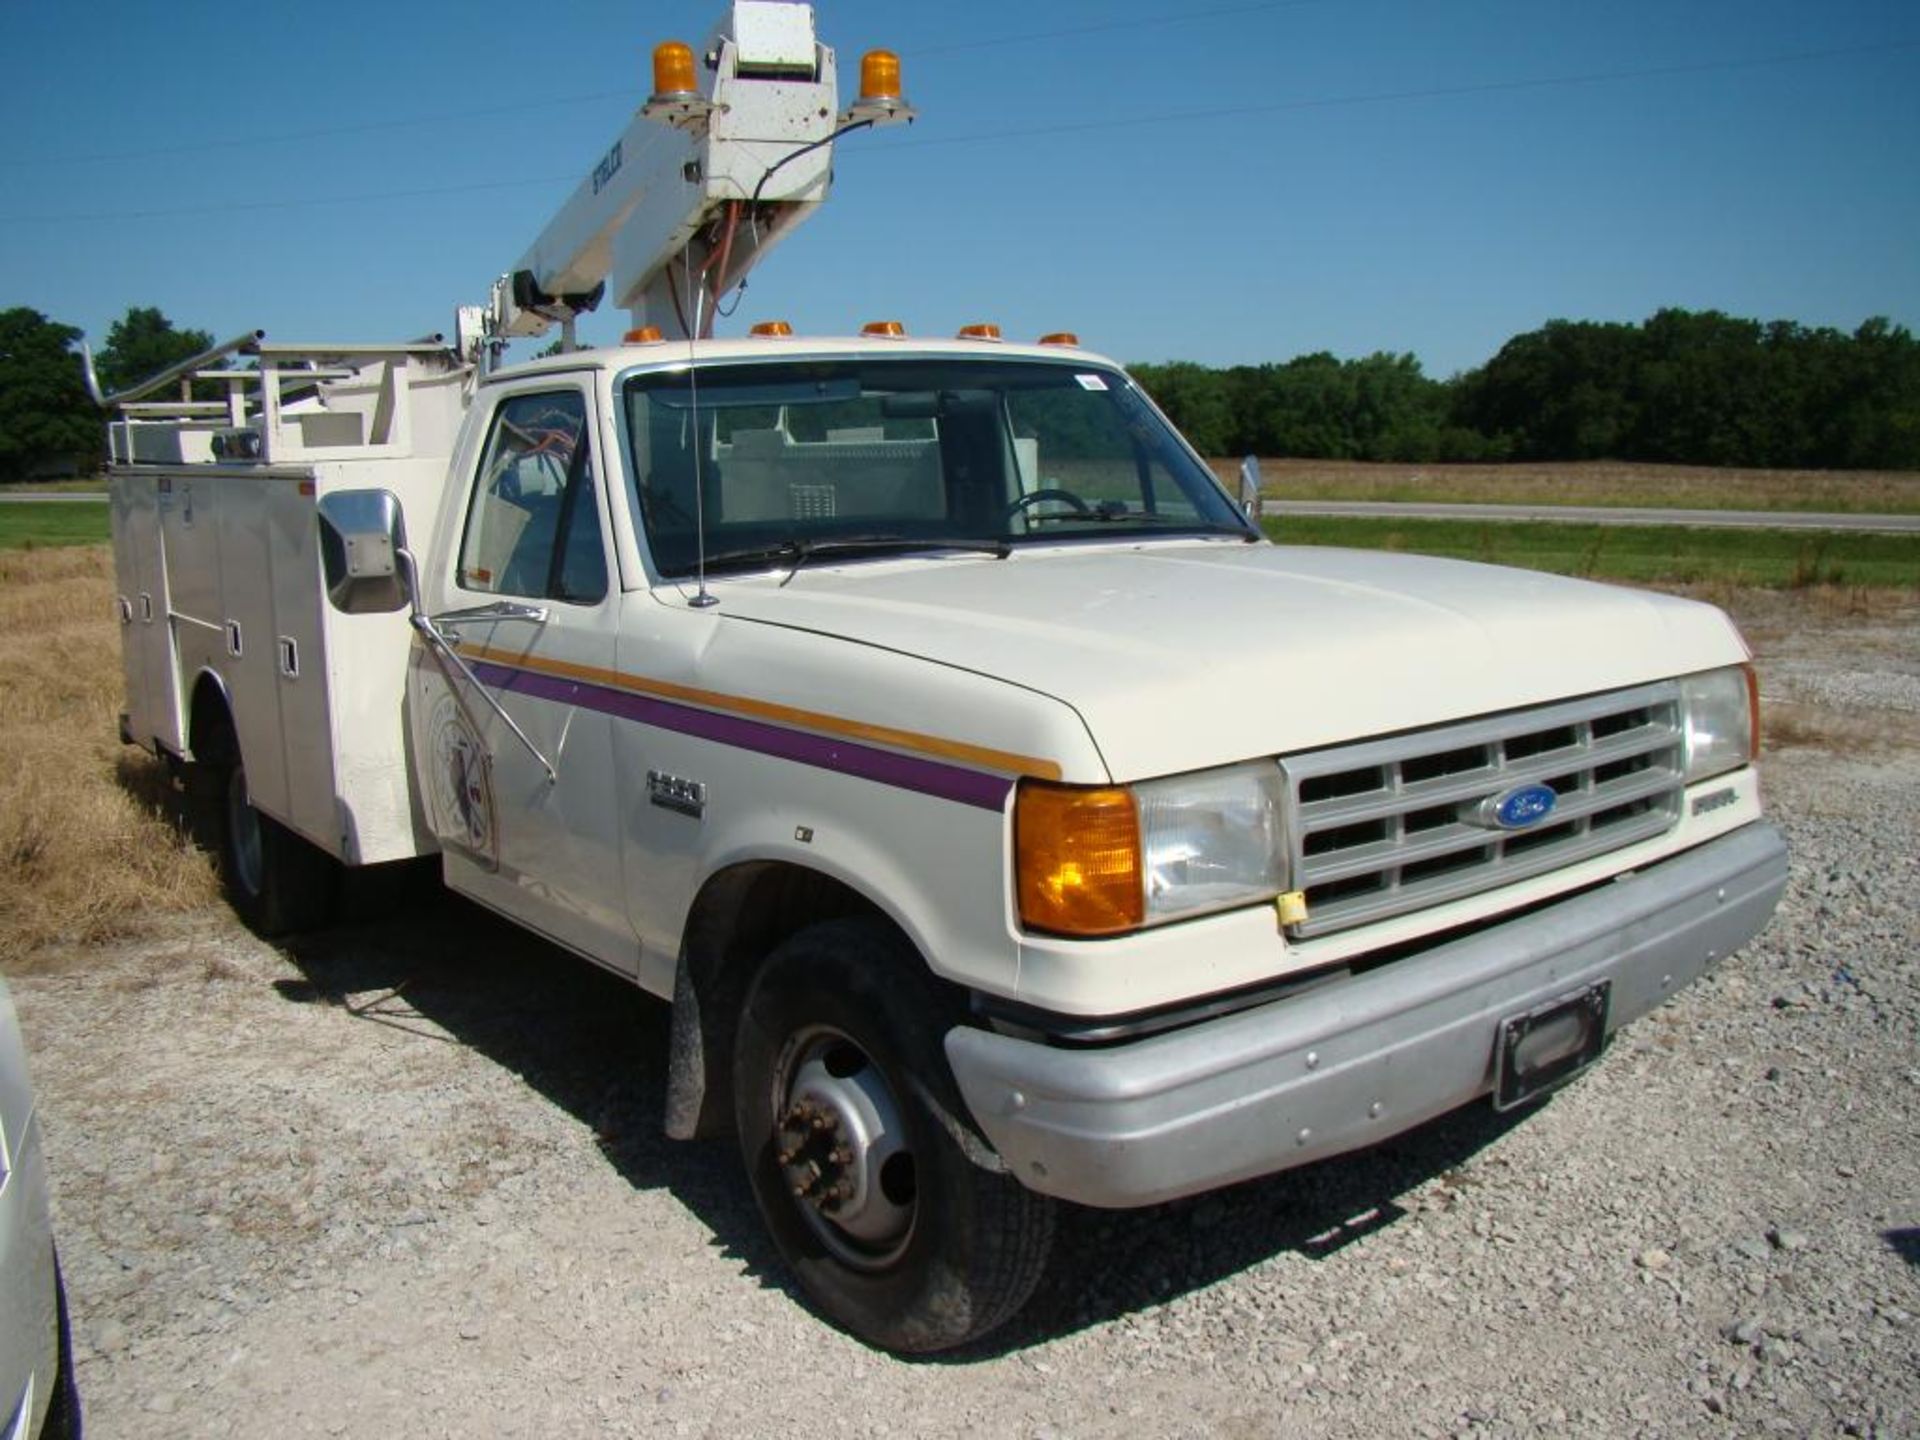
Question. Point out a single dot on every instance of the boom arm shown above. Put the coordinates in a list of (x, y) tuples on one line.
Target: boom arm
[(699, 187)]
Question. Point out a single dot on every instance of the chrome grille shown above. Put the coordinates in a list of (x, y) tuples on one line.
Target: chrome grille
[(1388, 826)]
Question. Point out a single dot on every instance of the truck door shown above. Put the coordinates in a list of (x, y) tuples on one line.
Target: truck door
[(517, 763)]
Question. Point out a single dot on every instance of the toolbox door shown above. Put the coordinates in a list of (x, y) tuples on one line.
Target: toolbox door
[(142, 609), (249, 665), (300, 675)]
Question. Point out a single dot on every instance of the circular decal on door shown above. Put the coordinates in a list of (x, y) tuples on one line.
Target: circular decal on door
[(462, 779)]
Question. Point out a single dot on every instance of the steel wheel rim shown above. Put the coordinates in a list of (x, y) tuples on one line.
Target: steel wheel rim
[(841, 1146)]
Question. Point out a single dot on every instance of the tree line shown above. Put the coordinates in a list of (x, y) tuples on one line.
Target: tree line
[(1684, 387), (49, 425)]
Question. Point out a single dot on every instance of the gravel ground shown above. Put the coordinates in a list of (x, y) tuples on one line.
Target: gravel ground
[(408, 1179)]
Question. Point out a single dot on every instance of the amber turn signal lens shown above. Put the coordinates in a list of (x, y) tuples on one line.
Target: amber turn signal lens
[(880, 75), (1077, 859)]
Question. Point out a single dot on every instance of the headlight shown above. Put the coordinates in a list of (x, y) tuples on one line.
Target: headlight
[(1722, 719), (1101, 860)]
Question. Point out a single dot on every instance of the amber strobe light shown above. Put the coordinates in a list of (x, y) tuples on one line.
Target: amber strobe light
[(1077, 859), (672, 70), (880, 76)]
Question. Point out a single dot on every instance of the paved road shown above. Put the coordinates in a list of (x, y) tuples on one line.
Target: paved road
[(1599, 515)]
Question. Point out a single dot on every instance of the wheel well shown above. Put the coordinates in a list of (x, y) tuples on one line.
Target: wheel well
[(740, 915), (210, 720)]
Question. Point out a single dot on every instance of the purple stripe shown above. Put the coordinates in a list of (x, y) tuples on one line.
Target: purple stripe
[(978, 788)]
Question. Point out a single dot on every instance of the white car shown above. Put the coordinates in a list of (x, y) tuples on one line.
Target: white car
[(37, 1395)]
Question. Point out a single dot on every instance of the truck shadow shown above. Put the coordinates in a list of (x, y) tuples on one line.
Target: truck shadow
[(596, 1047), (1109, 1264)]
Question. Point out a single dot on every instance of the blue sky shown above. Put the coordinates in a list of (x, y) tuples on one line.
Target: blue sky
[(1221, 182)]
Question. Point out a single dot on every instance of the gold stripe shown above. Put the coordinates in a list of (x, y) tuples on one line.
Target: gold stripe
[(980, 755)]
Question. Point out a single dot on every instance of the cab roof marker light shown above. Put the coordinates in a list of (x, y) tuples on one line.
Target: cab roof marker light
[(884, 330), (771, 330), (978, 332), (1060, 337), (643, 335)]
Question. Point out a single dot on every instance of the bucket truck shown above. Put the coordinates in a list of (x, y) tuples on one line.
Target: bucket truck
[(1006, 820)]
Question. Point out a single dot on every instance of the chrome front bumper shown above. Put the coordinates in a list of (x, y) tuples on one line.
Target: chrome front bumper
[(1351, 1063)]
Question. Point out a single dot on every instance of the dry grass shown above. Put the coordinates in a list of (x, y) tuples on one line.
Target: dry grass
[(89, 848), (1599, 482)]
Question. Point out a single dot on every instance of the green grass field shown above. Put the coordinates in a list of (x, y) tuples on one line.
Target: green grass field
[(1646, 554), (55, 522), (1588, 482)]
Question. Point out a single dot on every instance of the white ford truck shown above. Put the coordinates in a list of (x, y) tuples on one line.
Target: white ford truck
[(1005, 818)]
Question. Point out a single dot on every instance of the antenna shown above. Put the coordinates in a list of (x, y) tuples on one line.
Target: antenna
[(704, 598)]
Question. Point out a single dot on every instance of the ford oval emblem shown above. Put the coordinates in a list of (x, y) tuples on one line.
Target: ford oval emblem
[(1522, 806)]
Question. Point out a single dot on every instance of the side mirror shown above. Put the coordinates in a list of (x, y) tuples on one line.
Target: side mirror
[(1250, 488), (363, 538)]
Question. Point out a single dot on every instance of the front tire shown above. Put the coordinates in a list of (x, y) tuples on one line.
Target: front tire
[(853, 1131)]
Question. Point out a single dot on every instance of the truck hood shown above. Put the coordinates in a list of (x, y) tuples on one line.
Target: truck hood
[(1179, 655)]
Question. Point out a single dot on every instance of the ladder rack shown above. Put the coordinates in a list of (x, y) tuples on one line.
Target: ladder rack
[(254, 402)]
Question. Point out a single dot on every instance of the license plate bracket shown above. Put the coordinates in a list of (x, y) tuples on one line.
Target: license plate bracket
[(1541, 1050)]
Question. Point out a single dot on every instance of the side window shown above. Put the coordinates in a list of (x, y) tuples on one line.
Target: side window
[(534, 526)]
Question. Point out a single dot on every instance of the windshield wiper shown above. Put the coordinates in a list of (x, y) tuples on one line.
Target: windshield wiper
[(1096, 518), (799, 553), (810, 550)]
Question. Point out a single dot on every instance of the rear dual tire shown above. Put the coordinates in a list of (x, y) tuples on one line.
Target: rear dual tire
[(276, 882)]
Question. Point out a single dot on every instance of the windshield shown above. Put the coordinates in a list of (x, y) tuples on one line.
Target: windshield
[(879, 455)]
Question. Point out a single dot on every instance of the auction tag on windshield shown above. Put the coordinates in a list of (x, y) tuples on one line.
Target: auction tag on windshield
[(1092, 382)]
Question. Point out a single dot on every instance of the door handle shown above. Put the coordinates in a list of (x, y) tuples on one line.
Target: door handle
[(498, 610)]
